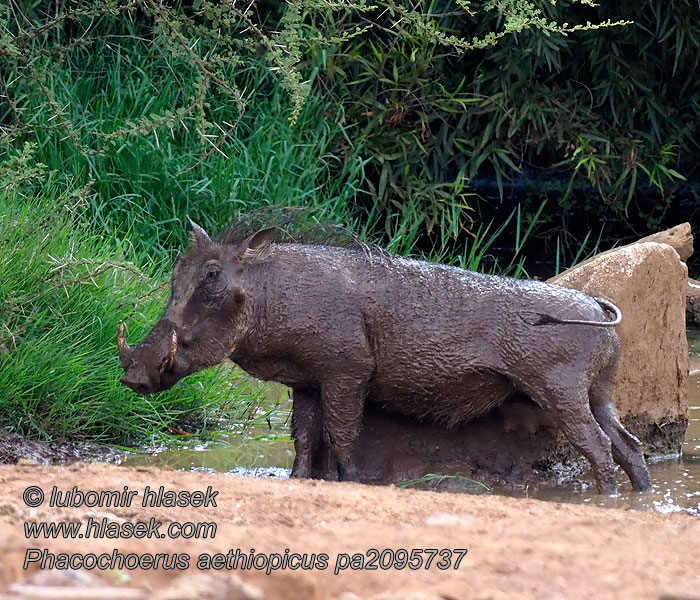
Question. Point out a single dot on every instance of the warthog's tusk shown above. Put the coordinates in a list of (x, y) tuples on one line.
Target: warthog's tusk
[(124, 349), (173, 350)]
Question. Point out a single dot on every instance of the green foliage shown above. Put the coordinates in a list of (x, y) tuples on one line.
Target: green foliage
[(117, 79), (148, 173), (413, 88), (614, 110), (472, 253)]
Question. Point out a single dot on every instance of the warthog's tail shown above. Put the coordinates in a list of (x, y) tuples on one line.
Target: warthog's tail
[(533, 318)]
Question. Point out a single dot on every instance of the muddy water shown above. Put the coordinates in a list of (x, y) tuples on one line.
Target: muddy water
[(258, 448), (676, 479), (266, 450)]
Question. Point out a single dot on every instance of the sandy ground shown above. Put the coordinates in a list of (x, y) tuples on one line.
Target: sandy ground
[(516, 548)]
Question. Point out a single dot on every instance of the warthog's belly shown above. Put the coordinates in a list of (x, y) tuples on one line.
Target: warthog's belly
[(448, 402), (281, 370)]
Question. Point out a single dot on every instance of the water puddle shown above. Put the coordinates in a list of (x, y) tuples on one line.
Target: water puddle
[(267, 451), (262, 447)]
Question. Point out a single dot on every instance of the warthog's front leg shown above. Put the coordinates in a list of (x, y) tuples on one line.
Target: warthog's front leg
[(343, 405), (306, 429)]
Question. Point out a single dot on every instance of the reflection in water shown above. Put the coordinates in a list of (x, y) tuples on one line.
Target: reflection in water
[(259, 446), (267, 451), (224, 453)]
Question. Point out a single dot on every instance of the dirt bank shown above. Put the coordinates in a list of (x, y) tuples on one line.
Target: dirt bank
[(517, 548)]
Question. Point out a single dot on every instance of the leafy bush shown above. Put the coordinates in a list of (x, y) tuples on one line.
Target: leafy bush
[(604, 120), (169, 107)]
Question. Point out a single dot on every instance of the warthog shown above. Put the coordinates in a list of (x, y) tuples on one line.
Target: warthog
[(342, 326)]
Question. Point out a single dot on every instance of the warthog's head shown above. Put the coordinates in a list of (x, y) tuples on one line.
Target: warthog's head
[(207, 313)]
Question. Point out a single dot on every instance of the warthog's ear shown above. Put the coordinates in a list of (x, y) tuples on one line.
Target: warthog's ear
[(257, 246), (198, 237)]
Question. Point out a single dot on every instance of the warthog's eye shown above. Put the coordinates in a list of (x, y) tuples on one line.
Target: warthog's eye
[(212, 274), (214, 283)]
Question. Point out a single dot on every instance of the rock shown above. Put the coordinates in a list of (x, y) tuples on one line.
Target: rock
[(680, 238), (647, 281), (693, 301)]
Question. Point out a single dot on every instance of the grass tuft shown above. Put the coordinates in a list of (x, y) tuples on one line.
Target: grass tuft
[(63, 291)]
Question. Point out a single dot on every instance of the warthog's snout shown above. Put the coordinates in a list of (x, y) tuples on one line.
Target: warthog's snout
[(150, 366), (141, 385)]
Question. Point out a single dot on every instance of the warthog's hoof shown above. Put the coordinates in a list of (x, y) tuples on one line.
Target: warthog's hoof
[(607, 488)]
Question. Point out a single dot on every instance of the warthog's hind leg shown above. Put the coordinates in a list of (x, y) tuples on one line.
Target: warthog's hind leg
[(567, 403), (626, 448)]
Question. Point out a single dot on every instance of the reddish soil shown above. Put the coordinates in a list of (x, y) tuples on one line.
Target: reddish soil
[(517, 548)]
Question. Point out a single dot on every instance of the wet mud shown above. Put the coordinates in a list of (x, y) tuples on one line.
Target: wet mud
[(16, 448)]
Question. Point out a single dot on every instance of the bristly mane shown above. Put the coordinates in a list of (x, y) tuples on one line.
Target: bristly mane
[(296, 225)]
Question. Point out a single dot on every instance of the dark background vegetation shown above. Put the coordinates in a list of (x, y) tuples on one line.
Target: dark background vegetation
[(505, 136)]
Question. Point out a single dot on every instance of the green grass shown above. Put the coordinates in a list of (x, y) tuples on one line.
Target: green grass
[(435, 479), (63, 291), (146, 183)]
